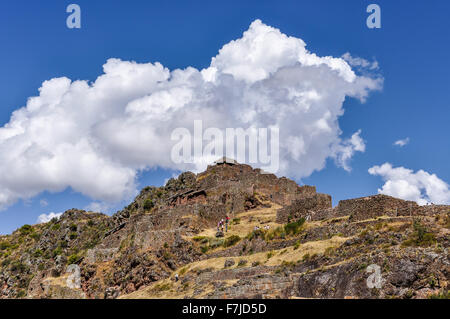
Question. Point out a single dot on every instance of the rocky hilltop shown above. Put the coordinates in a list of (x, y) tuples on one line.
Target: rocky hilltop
[(283, 241)]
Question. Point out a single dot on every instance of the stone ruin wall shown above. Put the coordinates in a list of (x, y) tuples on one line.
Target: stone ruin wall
[(244, 178), (374, 206), (430, 210), (225, 189), (309, 207), (318, 207)]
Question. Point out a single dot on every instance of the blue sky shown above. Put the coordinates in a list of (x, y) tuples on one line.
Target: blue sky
[(411, 48)]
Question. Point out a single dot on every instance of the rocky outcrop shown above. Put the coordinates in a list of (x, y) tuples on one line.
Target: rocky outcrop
[(266, 253)]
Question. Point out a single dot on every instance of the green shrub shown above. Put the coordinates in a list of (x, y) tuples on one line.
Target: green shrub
[(270, 254), (295, 227), (167, 255), (73, 236), (4, 245), (420, 237), (432, 281), (242, 263), (57, 251), (47, 254), (255, 234), (409, 294), (204, 249), (161, 287), (18, 266), (428, 239), (148, 204), (56, 227), (297, 245), (236, 221), (202, 239), (26, 229), (73, 259), (215, 243), (287, 264), (63, 244), (38, 253), (92, 243), (231, 241), (6, 262), (183, 271), (35, 236), (276, 233)]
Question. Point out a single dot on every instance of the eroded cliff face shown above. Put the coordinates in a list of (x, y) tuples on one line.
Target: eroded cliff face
[(283, 241)]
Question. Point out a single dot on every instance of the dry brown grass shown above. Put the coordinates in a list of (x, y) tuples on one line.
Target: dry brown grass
[(57, 281), (168, 288), (285, 255)]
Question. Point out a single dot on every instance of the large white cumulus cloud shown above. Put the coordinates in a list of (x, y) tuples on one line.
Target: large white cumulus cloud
[(419, 186), (95, 137)]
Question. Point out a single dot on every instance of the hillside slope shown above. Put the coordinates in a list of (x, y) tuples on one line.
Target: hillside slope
[(284, 241)]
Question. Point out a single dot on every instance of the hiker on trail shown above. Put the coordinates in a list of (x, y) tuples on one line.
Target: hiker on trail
[(227, 219), (218, 226), (176, 277), (222, 223)]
